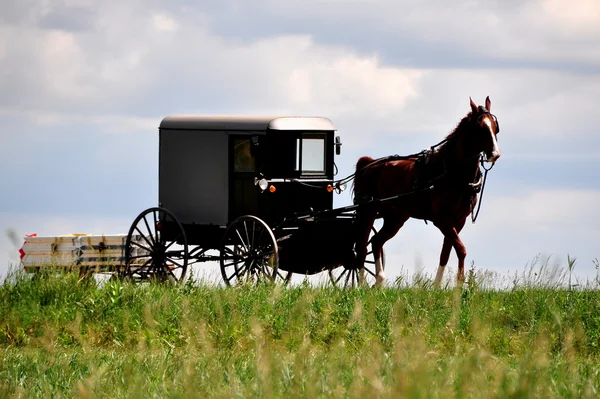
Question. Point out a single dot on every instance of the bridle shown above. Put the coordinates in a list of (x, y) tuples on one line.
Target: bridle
[(484, 111), (483, 160)]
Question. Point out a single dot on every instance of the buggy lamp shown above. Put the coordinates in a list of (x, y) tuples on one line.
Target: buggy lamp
[(340, 187), (263, 184)]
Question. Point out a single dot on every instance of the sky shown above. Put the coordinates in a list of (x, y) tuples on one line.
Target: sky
[(85, 84)]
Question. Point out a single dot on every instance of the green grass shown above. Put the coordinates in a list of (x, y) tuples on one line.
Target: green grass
[(64, 338)]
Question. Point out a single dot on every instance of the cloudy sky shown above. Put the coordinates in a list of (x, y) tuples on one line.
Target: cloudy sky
[(84, 85)]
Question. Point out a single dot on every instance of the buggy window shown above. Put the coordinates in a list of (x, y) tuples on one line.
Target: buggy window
[(310, 154), (243, 160)]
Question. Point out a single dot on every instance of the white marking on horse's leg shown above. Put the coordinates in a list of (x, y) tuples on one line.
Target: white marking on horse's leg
[(379, 273), (496, 148), (439, 275)]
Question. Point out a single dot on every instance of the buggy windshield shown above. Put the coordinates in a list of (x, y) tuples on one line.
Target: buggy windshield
[(310, 154)]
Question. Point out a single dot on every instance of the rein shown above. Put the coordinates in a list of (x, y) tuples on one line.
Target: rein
[(474, 213)]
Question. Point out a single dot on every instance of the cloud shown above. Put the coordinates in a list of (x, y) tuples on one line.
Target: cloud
[(106, 73), (547, 209), (575, 19), (352, 87), (548, 33), (164, 23)]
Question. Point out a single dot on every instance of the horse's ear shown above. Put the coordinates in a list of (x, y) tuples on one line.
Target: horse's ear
[(488, 104), (473, 106)]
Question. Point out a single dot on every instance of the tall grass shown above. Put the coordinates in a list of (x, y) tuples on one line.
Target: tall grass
[(63, 337)]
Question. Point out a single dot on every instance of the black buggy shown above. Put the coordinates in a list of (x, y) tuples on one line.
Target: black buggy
[(258, 190)]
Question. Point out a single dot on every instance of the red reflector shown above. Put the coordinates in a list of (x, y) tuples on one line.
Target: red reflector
[(31, 235), (21, 253), (158, 226)]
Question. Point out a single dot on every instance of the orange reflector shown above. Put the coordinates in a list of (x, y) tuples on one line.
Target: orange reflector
[(272, 189), (329, 188)]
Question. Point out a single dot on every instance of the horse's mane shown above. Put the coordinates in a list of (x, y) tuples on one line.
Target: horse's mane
[(459, 126)]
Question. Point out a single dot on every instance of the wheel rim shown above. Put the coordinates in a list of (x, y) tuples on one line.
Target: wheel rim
[(249, 253), (156, 247), (350, 276)]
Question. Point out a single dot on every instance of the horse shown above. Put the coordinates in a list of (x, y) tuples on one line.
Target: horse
[(439, 185)]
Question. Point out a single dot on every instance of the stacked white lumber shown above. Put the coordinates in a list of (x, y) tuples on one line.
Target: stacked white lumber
[(101, 252)]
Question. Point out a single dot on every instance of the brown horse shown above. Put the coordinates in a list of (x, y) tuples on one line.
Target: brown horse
[(439, 185)]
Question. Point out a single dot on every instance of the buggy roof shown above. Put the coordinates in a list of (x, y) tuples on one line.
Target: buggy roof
[(246, 122)]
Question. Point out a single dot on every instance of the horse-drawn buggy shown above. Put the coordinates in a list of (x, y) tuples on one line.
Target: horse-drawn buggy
[(259, 190), (256, 190)]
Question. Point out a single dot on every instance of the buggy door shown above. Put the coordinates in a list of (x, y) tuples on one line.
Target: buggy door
[(243, 198)]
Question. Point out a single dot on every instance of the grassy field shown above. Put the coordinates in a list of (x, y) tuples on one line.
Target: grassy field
[(64, 338)]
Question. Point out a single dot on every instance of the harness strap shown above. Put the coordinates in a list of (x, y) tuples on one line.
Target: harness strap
[(473, 213)]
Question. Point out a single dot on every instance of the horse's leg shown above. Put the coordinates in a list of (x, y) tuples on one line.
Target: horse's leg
[(364, 223), (391, 226), (445, 255), (451, 234)]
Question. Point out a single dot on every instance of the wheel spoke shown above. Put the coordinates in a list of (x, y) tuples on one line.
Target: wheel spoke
[(341, 275), (175, 262), (281, 275), (141, 246), (150, 231), (173, 242), (229, 251), (253, 233), (231, 264), (138, 268), (242, 240), (347, 277), (247, 237), (144, 237), (177, 254), (260, 236), (369, 271), (237, 272), (155, 220)]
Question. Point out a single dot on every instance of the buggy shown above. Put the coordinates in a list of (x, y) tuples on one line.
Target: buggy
[(258, 191)]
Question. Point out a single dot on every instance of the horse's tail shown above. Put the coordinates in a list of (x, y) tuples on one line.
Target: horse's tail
[(358, 186)]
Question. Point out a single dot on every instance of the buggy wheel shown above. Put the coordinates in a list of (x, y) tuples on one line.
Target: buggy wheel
[(348, 275), (156, 247), (249, 252)]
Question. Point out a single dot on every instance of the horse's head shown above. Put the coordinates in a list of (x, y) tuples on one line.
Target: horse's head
[(484, 128)]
